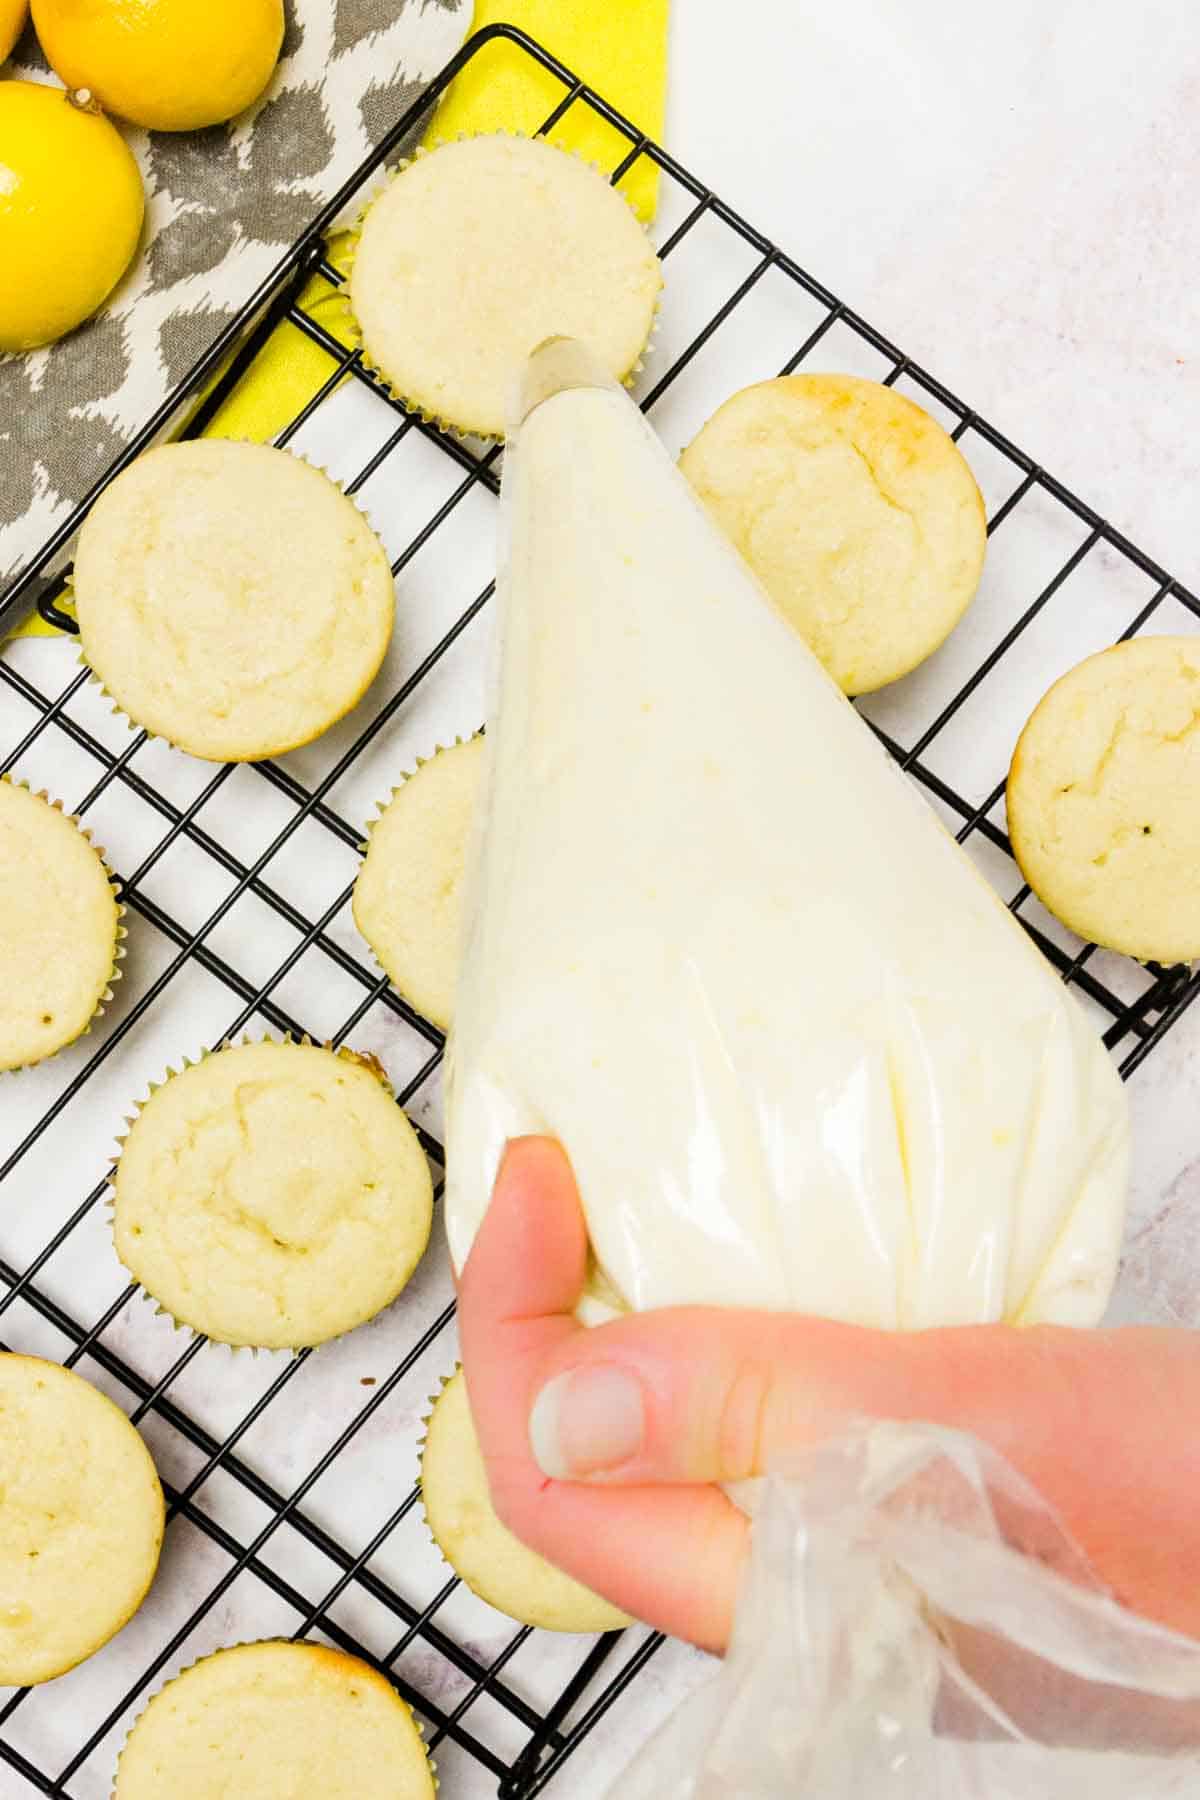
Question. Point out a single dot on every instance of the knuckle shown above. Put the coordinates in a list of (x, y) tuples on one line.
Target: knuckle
[(741, 1428)]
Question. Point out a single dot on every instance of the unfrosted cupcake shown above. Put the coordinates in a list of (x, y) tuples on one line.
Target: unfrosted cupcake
[(1104, 799), (494, 1564), (81, 1520), (856, 511), (478, 251), (59, 928), (264, 1721), (272, 1195), (230, 598), (408, 896)]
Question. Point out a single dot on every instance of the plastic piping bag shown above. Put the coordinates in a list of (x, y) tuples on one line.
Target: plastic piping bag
[(801, 1057), (800, 1054), (915, 1625)]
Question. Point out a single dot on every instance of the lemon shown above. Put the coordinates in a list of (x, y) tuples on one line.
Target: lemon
[(71, 209), (171, 65), (13, 14)]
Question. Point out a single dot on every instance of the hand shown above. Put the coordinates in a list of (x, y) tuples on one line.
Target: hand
[(602, 1445)]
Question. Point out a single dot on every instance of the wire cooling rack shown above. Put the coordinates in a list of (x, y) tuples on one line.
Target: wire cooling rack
[(243, 1488)]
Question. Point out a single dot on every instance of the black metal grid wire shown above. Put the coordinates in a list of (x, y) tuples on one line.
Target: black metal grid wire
[(1136, 1022)]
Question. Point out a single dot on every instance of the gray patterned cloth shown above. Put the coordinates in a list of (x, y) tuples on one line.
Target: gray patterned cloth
[(221, 207)]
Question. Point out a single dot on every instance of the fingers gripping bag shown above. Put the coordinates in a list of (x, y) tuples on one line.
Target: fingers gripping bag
[(799, 1053)]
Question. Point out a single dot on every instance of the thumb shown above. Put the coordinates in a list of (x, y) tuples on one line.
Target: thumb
[(1092, 1418), (671, 1554)]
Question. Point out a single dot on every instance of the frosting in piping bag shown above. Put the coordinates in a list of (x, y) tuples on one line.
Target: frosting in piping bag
[(800, 1054)]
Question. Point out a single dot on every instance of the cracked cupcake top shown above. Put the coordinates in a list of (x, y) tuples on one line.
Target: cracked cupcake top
[(1104, 799), (408, 896), (59, 922), (81, 1519), (231, 599), (855, 510), (272, 1195), (478, 251), (276, 1718)]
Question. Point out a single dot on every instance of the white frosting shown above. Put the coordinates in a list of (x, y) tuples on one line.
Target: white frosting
[(801, 1056)]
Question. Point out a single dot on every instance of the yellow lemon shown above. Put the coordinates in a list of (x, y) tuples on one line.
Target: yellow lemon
[(171, 65), (13, 14), (70, 212)]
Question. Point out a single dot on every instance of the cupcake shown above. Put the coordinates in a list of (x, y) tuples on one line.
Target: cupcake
[(855, 510), (59, 928), (230, 598), (81, 1520), (260, 1721), (483, 1552), (408, 896), (1104, 799), (272, 1195), (478, 251)]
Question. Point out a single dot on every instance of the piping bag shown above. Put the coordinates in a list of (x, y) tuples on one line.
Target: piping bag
[(800, 1055)]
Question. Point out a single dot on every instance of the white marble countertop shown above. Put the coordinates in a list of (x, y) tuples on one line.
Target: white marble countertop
[(1009, 196)]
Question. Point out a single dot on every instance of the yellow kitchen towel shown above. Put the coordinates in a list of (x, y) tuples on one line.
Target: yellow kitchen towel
[(619, 48)]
